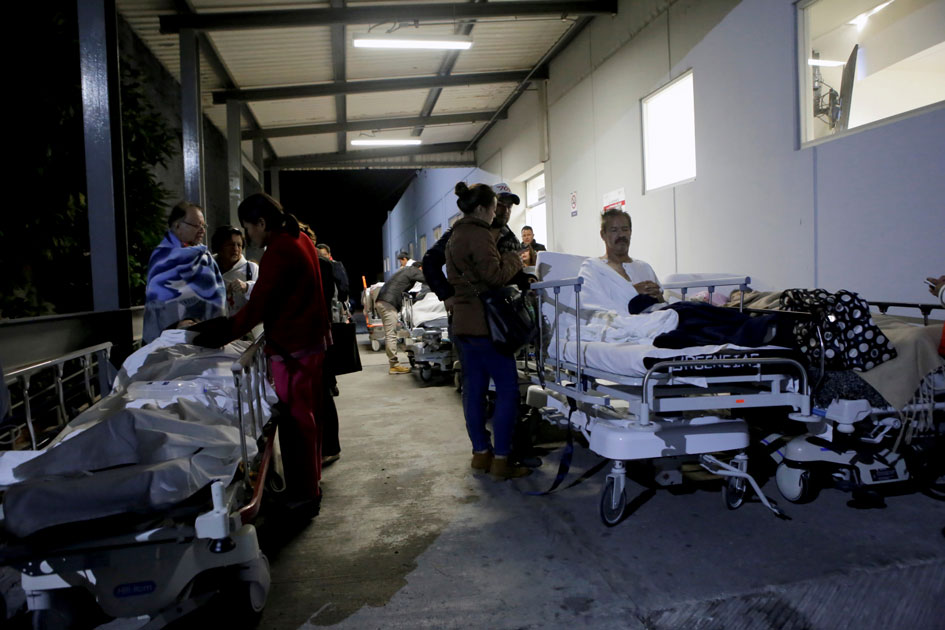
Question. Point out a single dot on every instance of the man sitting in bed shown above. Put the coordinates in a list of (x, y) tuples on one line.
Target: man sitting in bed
[(611, 281), (622, 301)]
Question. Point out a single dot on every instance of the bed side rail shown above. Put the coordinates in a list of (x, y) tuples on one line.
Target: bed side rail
[(711, 284), (89, 358), (249, 373), (925, 309), (555, 286)]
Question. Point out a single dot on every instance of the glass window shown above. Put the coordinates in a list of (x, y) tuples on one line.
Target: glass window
[(535, 190), (410, 250), (423, 245), (456, 217), (437, 233), (862, 61), (669, 134)]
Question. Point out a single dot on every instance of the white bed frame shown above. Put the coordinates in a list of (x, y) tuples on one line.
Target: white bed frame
[(642, 425), (152, 572)]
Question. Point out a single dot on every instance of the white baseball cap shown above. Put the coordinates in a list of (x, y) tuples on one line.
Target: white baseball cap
[(503, 190)]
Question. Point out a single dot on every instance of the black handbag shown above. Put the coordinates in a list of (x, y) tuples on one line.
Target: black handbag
[(343, 356), (510, 315)]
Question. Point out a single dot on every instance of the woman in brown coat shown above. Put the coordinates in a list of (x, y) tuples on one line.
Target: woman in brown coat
[(474, 265)]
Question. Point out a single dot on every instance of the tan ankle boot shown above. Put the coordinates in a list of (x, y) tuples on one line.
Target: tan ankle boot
[(501, 469), (482, 461)]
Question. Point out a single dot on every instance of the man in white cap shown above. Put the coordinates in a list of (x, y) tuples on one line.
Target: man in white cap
[(506, 241)]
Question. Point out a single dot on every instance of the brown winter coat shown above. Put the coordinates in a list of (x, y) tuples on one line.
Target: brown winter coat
[(472, 251)]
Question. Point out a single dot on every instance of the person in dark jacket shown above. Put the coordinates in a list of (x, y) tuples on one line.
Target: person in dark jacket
[(388, 304), (474, 265), (339, 272), (433, 261), (528, 239)]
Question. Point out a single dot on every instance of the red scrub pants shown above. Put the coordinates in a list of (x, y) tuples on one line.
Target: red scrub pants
[(299, 386)]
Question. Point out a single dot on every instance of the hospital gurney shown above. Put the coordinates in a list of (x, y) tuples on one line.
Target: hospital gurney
[(429, 347), (635, 402), (863, 439), (143, 505)]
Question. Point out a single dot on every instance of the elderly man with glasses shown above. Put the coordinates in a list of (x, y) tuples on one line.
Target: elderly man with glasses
[(184, 282)]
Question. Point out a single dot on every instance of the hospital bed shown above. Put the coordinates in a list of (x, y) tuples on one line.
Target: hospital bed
[(863, 439), (143, 505), (429, 347), (668, 407)]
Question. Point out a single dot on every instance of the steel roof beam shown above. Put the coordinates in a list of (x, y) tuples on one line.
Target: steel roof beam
[(377, 14), (374, 124), (376, 85), (320, 159), (339, 74)]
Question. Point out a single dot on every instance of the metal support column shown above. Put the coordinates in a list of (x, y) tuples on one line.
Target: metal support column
[(191, 117), (274, 183), (101, 113), (259, 157), (234, 158)]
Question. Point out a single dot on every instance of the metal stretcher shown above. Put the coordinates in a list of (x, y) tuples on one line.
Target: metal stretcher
[(429, 347), (679, 410), (161, 564)]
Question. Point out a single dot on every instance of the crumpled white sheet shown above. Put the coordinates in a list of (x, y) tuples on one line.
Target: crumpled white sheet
[(428, 309), (167, 430)]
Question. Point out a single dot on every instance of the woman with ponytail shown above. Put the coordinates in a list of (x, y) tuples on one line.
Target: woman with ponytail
[(288, 300), (474, 265)]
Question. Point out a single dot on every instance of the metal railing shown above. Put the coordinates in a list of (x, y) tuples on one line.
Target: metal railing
[(92, 362)]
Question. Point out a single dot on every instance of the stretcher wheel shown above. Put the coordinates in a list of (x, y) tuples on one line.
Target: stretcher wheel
[(247, 598), (610, 513), (426, 373), (794, 483), (375, 345), (734, 490)]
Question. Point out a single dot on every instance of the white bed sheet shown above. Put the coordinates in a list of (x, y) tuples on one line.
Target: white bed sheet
[(627, 359)]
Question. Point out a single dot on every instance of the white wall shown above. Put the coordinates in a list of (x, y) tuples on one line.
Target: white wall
[(429, 201), (864, 212)]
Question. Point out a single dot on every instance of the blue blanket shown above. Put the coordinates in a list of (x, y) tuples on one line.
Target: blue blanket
[(183, 283)]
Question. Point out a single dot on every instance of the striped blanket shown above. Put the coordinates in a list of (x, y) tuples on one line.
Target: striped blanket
[(183, 283)]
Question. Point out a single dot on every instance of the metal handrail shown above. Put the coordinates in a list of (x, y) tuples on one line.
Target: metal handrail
[(25, 373), (252, 365)]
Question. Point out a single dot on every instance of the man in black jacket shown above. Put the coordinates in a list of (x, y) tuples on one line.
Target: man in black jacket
[(388, 304)]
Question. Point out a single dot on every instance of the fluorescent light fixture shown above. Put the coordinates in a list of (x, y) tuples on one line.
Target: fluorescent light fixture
[(826, 63), (860, 21), (413, 40), (386, 142)]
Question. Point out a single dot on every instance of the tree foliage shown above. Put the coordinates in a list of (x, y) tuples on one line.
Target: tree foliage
[(44, 240)]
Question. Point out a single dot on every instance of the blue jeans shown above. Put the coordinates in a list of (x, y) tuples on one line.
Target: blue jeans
[(480, 361)]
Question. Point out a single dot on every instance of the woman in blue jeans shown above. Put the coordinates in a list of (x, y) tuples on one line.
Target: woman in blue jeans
[(474, 265)]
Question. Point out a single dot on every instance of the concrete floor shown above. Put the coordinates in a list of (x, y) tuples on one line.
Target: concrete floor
[(408, 537)]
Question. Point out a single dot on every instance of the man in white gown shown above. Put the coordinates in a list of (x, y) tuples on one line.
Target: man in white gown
[(611, 281)]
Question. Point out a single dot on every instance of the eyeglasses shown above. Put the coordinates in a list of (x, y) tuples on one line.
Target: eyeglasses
[(199, 226)]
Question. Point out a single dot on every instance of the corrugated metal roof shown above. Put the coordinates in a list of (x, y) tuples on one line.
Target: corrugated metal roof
[(305, 145), (303, 55), (298, 111), (516, 45), (285, 56), (473, 98)]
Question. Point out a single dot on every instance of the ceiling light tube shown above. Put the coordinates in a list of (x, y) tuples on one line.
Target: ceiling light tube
[(385, 142), (413, 40)]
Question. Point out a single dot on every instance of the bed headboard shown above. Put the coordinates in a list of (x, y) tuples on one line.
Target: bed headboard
[(557, 266)]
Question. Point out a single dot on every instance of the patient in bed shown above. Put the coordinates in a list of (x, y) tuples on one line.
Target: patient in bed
[(622, 301)]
